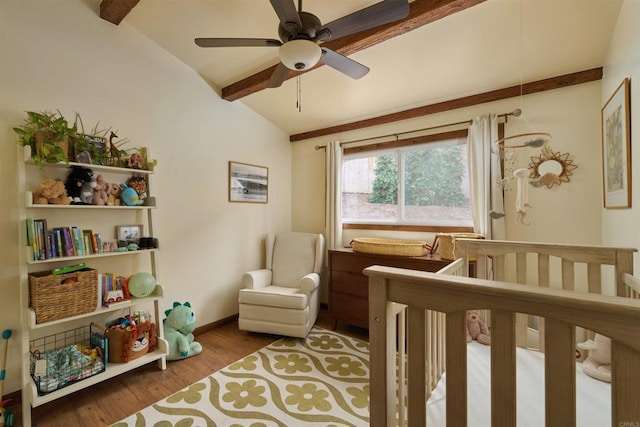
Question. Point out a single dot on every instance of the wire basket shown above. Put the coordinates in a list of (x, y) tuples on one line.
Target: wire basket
[(62, 359)]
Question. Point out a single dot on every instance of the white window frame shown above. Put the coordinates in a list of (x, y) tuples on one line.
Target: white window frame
[(399, 152)]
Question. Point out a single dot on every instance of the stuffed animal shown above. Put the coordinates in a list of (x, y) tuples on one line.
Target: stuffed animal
[(76, 178), (138, 183), (113, 198), (84, 157), (129, 196), (135, 161), (178, 328), (51, 192), (598, 363), (86, 196), (100, 191), (477, 328)]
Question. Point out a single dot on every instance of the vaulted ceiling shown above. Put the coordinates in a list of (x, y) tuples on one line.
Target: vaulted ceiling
[(444, 50)]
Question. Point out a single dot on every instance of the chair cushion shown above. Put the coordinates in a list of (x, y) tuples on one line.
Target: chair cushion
[(279, 318), (274, 296), (294, 255)]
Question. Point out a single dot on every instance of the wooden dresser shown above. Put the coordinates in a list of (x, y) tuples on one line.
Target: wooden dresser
[(349, 288)]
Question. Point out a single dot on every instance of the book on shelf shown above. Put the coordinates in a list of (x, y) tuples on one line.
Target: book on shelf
[(58, 242)]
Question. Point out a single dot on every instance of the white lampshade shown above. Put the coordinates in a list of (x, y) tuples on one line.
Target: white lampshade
[(300, 54)]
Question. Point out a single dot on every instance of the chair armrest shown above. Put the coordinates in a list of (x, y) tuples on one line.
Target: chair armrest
[(310, 283), (256, 279)]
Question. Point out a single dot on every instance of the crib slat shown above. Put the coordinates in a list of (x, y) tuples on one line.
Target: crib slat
[(567, 275), (456, 357), (499, 267), (543, 270), (416, 404), (624, 264), (521, 267), (594, 278), (503, 369), (544, 275), (481, 266), (560, 373), (625, 377)]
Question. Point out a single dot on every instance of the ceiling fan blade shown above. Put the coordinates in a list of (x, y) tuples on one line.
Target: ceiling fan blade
[(278, 76), (343, 64), (377, 14), (237, 42), (287, 14)]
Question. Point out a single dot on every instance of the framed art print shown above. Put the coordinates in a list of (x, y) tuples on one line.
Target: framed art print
[(616, 149), (248, 183), (129, 233)]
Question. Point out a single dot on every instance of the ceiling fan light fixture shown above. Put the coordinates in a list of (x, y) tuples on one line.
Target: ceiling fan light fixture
[(300, 54)]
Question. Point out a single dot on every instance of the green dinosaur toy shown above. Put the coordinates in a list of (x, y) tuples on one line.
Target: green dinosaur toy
[(178, 328)]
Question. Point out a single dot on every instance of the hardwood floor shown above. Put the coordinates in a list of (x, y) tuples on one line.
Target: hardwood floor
[(119, 397)]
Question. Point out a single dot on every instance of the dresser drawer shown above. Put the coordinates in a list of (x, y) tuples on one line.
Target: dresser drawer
[(350, 283), (349, 308), (349, 287)]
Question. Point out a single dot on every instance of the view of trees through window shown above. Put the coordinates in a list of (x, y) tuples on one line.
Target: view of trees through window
[(425, 184)]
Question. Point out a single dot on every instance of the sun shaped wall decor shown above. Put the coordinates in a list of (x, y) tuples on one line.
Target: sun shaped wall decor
[(551, 168)]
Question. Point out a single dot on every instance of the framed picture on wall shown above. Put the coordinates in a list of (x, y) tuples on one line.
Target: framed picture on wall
[(248, 183), (616, 149)]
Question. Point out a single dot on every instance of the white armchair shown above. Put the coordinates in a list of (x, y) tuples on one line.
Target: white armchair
[(283, 298)]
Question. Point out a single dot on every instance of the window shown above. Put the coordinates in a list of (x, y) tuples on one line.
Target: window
[(408, 183)]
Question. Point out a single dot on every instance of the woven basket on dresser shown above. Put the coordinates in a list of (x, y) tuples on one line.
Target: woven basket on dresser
[(51, 299), (372, 245)]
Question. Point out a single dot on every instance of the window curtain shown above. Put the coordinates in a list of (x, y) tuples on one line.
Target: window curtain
[(333, 202), (485, 175)]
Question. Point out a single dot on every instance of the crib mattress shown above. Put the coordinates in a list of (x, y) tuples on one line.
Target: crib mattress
[(593, 400)]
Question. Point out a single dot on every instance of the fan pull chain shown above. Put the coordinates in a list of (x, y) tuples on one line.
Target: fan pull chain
[(299, 94)]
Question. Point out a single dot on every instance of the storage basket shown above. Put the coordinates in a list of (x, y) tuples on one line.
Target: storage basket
[(55, 297), (447, 243), (130, 343), (372, 245), (62, 359)]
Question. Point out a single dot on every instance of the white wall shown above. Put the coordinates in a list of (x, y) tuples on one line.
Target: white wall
[(622, 226), (569, 213), (61, 55)]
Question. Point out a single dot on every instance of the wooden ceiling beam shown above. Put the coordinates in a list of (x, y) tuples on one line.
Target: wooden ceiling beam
[(114, 11), (421, 12), (495, 95)]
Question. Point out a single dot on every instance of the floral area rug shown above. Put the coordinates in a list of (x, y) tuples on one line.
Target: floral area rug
[(322, 380)]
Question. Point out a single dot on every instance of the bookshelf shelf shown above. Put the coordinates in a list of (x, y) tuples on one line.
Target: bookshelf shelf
[(157, 295), (30, 205), (80, 257), (97, 221), (112, 370), (26, 155)]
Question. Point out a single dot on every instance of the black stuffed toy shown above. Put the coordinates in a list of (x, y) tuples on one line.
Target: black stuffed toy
[(76, 178)]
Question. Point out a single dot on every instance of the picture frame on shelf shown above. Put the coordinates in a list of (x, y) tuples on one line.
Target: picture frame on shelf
[(616, 149), (129, 233), (248, 183)]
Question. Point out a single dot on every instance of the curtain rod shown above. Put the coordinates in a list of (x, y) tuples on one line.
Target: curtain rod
[(515, 113)]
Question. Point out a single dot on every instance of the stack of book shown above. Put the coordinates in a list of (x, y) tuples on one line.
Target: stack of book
[(60, 241)]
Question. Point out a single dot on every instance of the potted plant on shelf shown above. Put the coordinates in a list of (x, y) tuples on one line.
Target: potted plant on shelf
[(49, 135)]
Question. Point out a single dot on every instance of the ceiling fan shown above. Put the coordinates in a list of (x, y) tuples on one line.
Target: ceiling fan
[(302, 32)]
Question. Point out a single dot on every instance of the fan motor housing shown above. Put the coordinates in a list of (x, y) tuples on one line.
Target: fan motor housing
[(310, 26)]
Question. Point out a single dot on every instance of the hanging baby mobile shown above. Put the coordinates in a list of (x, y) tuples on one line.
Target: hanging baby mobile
[(547, 169), (551, 168)]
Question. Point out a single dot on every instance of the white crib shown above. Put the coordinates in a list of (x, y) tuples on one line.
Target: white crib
[(565, 286)]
